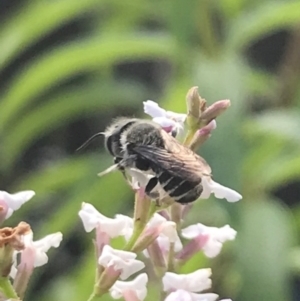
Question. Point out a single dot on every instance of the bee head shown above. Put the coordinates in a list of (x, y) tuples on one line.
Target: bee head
[(113, 135)]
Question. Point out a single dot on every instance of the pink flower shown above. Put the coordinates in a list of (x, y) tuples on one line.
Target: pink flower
[(214, 237), (137, 287), (168, 120), (34, 253), (106, 228), (122, 261), (166, 233)]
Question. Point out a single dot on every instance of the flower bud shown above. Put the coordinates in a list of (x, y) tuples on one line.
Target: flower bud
[(202, 135), (151, 233), (193, 247), (157, 258), (213, 111), (194, 103)]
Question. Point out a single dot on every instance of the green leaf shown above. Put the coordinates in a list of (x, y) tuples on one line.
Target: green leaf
[(61, 110), (36, 20), (89, 55), (283, 124), (264, 19), (282, 170), (264, 241)]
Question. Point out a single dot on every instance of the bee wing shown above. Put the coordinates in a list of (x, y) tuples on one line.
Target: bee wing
[(184, 163)]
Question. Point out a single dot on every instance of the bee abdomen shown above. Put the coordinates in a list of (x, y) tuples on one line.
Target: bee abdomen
[(164, 178), (181, 190), (190, 196)]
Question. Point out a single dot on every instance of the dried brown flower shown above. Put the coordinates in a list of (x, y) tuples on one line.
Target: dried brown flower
[(12, 236)]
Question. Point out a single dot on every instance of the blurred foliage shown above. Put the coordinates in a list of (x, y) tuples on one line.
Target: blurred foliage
[(67, 67)]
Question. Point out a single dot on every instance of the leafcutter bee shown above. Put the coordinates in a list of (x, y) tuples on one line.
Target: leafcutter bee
[(162, 165)]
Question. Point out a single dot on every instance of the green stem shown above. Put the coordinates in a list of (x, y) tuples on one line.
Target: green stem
[(94, 297), (189, 137), (7, 289), (171, 258), (139, 226), (137, 231)]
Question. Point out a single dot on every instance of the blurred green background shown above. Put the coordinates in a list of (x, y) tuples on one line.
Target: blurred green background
[(67, 67)]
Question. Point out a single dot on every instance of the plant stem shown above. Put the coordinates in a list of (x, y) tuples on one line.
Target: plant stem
[(94, 297), (171, 258), (138, 229), (140, 220), (7, 288)]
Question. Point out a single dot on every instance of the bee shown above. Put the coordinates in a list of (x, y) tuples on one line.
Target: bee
[(162, 165)]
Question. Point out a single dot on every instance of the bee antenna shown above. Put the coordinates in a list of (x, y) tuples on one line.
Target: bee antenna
[(86, 143)]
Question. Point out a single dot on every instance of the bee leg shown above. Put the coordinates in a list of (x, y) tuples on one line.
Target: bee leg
[(121, 168), (150, 186)]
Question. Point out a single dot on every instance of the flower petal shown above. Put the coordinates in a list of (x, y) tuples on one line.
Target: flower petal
[(193, 282), (92, 218), (193, 231), (34, 253), (16, 200), (120, 260), (153, 109), (182, 295), (216, 237), (180, 118), (166, 123), (220, 191), (168, 120), (52, 240), (138, 285), (139, 177)]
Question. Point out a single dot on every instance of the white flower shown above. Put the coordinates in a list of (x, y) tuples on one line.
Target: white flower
[(182, 295), (42, 246), (193, 282), (34, 253), (138, 285), (220, 192), (120, 260), (14, 201), (92, 218), (168, 228), (139, 179), (216, 237), (168, 233), (166, 119)]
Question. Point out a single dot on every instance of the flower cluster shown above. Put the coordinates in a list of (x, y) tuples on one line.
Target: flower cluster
[(153, 234), (19, 254), (155, 230)]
